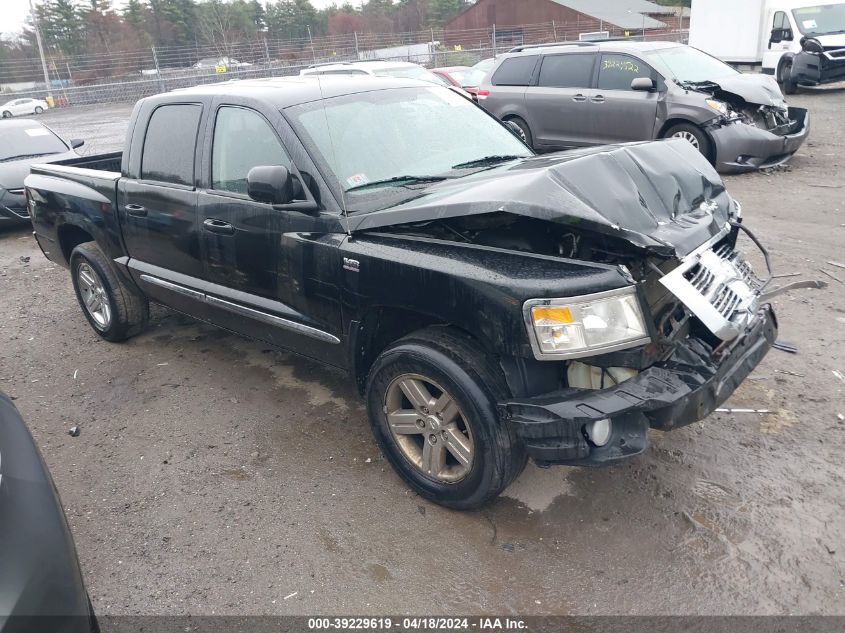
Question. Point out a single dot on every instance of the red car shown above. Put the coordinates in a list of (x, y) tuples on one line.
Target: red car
[(462, 76)]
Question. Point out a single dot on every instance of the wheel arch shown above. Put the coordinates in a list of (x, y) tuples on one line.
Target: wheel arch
[(678, 120), (381, 326), (70, 236)]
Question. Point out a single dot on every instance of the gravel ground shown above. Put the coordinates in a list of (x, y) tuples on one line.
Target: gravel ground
[(215, 476)]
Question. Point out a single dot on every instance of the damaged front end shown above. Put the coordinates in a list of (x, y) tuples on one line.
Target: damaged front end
[(817, 64), (710, 331), (756, 128), (681, 325)]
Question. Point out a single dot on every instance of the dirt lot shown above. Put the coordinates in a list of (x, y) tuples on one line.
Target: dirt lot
[(214, 476)]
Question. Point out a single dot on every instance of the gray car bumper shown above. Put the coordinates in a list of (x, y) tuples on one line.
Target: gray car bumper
[(740, 147)]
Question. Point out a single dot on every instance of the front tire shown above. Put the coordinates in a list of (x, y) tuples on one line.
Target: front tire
[(526, 131), (692, 134), (38, 109), (431, 398), (7, 114), (113, 309), (788, 86)]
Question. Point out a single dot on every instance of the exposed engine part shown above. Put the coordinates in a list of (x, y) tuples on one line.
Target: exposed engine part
[(582, 376)]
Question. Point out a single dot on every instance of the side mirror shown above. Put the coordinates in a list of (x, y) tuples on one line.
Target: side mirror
[(272, 184), (812, 45), (644, 84), (76, 143)]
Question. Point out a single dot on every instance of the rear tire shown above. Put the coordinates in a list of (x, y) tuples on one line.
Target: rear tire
[(694, 135), (788, 86), (526, 131), (486, 456), (113, 309)]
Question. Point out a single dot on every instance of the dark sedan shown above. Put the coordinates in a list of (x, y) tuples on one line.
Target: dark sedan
[(41, 586), (24, 142)]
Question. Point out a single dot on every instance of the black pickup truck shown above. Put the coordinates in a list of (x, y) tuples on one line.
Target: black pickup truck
[(492, 305)]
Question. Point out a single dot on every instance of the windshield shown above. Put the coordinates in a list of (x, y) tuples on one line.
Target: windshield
[(470, 78), (415, 135), (28, 141), (821, 19), (684, 64)]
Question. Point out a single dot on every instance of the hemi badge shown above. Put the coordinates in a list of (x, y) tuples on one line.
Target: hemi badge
[(351, 265)]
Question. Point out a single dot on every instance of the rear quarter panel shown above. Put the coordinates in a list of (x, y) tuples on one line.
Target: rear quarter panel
[(67, 198)]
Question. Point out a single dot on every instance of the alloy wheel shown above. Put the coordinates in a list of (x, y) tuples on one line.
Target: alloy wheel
[(429, 428), (689, 137), (94, 296)]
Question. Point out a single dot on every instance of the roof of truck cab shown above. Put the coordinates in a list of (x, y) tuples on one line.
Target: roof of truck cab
[(284, 92)]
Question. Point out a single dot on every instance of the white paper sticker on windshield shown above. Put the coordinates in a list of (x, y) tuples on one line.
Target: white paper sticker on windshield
[(810, 25), (37, 131), (357, 180)]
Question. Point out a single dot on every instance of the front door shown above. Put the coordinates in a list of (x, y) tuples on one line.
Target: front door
[(559, 103), (618, 113), (249, 248)]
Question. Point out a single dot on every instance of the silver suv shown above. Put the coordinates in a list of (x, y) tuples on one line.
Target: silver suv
[(575, 94)]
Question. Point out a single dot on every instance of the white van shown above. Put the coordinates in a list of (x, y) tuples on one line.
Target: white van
[(797, 41)]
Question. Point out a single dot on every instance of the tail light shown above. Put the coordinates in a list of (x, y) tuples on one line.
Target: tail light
[(482, 94)]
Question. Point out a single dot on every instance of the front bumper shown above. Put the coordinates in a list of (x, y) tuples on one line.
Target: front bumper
[(13, 209), (741, 147), (812, 69), (681, 390)]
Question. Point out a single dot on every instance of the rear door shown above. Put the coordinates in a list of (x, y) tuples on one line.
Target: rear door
[(617, 113), (559, 103), (158, 199)]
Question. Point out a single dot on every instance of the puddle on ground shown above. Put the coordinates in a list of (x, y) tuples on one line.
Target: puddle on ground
[(537, 488)]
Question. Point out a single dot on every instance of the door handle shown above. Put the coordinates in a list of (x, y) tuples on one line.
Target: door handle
[(136, 210), (579, 98), (597, 99), (218, 226)]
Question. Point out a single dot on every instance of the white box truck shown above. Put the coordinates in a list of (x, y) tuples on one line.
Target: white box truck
[(800, 42)]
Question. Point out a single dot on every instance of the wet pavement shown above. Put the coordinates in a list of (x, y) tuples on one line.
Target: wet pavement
[(213, 475)]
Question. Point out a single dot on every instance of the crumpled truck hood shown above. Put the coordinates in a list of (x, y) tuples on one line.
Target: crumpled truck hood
[(755, 89), (662, 196)]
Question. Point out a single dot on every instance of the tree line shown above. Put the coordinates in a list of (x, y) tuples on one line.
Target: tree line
[(72, 28)]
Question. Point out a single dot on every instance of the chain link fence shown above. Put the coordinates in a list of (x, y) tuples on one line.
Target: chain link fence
[(127, 76)]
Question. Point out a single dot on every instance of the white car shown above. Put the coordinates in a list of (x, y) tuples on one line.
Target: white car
[(18, 107), (405, 70)]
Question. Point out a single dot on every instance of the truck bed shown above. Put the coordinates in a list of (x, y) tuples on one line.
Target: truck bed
[(80, 192), (100, 162)]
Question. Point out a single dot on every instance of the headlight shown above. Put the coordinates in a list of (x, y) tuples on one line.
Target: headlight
[(584, 326), (719, 106)]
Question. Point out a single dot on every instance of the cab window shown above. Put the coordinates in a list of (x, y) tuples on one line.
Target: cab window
[(243, 139), (170, 144)]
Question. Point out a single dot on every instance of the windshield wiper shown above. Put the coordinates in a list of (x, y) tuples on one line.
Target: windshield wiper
[(487, 160), (399, 180)]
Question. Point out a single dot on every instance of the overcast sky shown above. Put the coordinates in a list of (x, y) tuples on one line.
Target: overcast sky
[(15, 11)]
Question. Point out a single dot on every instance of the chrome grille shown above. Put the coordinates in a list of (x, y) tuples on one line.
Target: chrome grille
[(718, 286)]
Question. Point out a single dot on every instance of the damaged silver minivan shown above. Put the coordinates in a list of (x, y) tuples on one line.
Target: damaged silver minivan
[(576, 94)]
